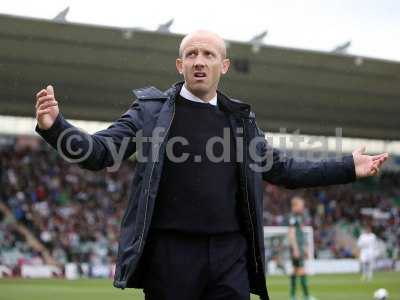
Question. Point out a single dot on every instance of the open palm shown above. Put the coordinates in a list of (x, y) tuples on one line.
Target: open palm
[(367, 165)]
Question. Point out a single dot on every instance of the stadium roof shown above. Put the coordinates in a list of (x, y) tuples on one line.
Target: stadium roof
[(95, 68)]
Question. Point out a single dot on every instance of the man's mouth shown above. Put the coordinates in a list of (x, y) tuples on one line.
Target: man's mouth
[(200, 74)]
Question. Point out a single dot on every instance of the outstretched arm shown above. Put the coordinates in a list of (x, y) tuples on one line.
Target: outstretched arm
[(93, 152), (300, 174)]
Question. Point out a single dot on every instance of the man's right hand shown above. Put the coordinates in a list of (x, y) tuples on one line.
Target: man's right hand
[(46, 108)]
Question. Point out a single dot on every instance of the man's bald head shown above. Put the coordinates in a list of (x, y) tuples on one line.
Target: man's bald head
[(202, 61), (200, 35)]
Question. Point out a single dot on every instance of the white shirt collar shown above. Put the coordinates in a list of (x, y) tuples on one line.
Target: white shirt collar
[(185, 93)]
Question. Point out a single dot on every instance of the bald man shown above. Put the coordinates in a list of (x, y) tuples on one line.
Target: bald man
[(193, 226)]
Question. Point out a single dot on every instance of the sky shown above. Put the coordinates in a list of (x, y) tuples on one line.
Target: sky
[(373, 26)]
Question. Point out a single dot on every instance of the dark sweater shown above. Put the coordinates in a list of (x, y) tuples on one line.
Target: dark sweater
[(198, 197)]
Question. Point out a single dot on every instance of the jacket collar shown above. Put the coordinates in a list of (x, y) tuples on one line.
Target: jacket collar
[(185, 93)]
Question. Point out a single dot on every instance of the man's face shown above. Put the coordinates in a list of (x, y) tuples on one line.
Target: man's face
[(297, 206), (202, 63)]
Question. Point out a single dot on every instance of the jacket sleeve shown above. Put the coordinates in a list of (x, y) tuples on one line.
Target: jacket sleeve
[(291, 173), (99, 150)]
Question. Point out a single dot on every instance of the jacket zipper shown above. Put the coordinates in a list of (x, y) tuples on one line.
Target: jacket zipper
[(148, 189), (151, 175), (247, 200)]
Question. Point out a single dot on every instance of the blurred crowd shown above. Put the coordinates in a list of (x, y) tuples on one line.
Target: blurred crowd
[(76, 213), (343, 211)]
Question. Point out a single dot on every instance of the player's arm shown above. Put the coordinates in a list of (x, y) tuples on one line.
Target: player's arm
[(359, 241), (360, 244), (375, 246), (293, 241), (93, 152), (305, 251)]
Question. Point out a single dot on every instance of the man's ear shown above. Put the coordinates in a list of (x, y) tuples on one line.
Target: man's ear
[(179, 66), (225, 65)]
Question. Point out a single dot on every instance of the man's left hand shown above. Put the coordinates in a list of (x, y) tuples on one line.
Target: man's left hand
[(367, 165)]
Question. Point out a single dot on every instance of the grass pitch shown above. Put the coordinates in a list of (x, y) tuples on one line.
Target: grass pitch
[(323, 287)]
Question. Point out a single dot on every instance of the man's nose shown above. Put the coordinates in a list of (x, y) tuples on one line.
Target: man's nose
[(199, 62)]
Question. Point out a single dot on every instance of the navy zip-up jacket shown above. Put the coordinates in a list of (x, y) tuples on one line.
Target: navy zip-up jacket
[(155, 109)]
